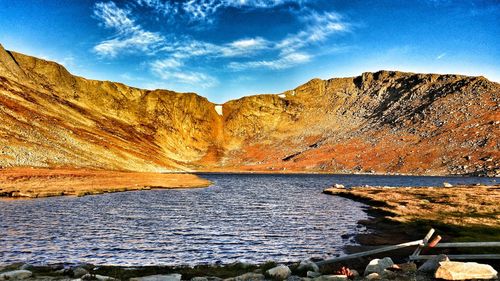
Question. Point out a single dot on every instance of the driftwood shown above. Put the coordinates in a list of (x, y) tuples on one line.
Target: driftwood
[(421, 244)]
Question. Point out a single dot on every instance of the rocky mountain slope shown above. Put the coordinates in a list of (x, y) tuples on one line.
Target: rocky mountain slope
[(378, 122)]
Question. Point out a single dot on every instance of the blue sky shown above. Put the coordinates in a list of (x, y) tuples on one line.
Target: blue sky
[(225, 49)]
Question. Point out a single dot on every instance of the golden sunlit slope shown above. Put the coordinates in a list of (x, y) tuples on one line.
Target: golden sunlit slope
[(377, 122)]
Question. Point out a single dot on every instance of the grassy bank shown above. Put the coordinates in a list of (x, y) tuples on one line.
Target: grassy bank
[(35, 183)]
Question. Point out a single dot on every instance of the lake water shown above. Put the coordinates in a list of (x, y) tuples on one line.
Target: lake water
[(251, 218)]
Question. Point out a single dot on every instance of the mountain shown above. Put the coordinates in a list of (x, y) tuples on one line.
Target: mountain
[(383, 122)]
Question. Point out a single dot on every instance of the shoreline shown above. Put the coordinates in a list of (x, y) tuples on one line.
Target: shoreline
[(18, 183), (395, 218)]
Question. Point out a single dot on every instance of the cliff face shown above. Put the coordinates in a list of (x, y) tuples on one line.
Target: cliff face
[(377, 122)]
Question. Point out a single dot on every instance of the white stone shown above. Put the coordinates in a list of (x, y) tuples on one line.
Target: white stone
[(452, 270), (373, 276), (16, 275), (169, 277), (378, 265), (447, 184), (281, 272), (282, 96), (339, 185)]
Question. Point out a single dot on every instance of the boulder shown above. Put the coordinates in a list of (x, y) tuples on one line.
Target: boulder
[(447, 184), (16, 275), (169, 277), (307, 265), (281, 272), (378, 266), (331, 278), (251, 276), (339, 185), (451, 270), (431, 265)]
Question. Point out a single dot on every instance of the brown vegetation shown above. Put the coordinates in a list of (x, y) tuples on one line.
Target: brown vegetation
[(460, 206), (31, 183)]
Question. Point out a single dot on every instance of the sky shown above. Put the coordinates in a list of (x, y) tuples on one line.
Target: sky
[(225, 49)]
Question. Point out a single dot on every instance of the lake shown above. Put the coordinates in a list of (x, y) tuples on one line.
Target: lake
[(250, 218)]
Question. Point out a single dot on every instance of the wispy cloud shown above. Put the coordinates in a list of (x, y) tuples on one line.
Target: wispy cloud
[(129, 36), (286, 61), (171, 69), (178, 56), (440, 56), (319, 27), (203, 10)]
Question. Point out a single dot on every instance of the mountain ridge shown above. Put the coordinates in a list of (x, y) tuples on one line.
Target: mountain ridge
[(55, 119)]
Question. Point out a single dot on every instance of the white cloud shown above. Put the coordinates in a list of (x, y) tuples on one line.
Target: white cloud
[(319, 27), (170, 69), (202, 10), (441, 56), (286, 61), (130, 35)]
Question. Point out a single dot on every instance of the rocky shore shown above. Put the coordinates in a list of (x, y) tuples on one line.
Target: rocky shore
[(306, 270), (35, 183)]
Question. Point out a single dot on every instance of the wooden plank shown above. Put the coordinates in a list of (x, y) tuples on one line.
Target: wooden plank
[(426, 240), (467, 244), (371, 252), (460, 257)]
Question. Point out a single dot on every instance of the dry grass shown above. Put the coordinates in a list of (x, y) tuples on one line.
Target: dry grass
[(32, 183), (462, 206)]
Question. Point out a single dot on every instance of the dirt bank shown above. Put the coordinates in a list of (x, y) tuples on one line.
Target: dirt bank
[(461, 213), (33, 183)]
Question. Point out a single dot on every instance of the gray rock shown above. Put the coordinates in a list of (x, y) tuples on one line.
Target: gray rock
[(16, 275), (251, 276), (281, 272), (199, 279), (294, 278), (79, 272), (97, 277), (373, 276), (431, 265), (331, 278), (451, 270), (313, 274), (169, 277), (378, 266), (308, 265)]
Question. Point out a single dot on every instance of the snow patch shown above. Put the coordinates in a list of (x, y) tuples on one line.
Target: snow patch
[(218, 109)]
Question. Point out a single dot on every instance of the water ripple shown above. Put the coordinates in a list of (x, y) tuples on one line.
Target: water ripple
[(252, 218)]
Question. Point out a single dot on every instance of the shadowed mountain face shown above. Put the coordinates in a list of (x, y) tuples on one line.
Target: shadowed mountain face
[(377, 122)]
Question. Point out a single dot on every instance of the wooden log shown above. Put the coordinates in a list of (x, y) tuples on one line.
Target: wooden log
[(371, 252), (460, 257), (467, 244), (426, 239)]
